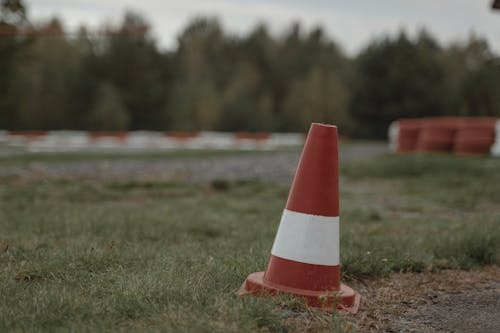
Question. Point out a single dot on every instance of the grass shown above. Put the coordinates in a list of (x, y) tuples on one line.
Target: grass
[(420, 212), (165, 255), (21, 158)]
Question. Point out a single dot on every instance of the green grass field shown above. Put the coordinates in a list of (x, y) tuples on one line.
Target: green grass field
[(170, 256)]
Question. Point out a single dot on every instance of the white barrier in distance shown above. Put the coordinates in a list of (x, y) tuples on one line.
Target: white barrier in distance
[(71, 141)]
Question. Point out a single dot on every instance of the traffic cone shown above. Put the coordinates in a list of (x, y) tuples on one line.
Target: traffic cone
[(305, 257)]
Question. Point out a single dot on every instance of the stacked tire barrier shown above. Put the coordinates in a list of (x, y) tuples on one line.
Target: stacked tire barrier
[(61, 141), (459, 135), (437, 135), (404, 134), (475, 137)]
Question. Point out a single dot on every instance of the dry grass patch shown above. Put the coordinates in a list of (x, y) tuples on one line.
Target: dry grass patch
[(387, 299)]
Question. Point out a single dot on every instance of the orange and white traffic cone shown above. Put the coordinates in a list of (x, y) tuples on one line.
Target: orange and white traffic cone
[(305, 257)]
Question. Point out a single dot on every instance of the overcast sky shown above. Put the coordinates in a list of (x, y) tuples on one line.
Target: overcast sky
[(350, 22)]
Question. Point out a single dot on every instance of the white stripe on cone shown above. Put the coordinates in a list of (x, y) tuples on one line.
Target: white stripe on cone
[(310, 239)]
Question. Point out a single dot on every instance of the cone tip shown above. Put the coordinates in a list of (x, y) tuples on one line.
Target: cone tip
[(323, 125), (322, 129)]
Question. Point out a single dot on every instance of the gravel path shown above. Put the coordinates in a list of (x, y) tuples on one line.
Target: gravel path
[(267, 166)]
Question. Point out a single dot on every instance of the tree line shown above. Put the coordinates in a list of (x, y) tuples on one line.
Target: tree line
[(117, 78)]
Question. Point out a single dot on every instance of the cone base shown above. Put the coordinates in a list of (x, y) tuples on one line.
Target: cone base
[(345, 300)]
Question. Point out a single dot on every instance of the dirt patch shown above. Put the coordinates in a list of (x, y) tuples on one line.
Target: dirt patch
[(448, 301), (474, 311)]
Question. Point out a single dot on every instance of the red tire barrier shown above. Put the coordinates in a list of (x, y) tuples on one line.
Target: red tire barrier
[(117, 135), (305, 258), (408, 134), (438, 134), (246, 140), (182, 135), (475, 136), (29, 136), (252, 136)]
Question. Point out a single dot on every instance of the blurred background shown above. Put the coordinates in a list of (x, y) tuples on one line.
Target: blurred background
[(245, 66)]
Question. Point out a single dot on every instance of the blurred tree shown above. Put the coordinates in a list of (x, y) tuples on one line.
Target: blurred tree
[(129, 58), (248, 105), (12, 18), (250, 94), (397, 78), (255, 82), (260, 49), (201, 51), (109, 112), (304, 61), (194, 105), (195, 102), (86, 81), (318, 97), (461, 60), (480, 91), (43, 80)]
